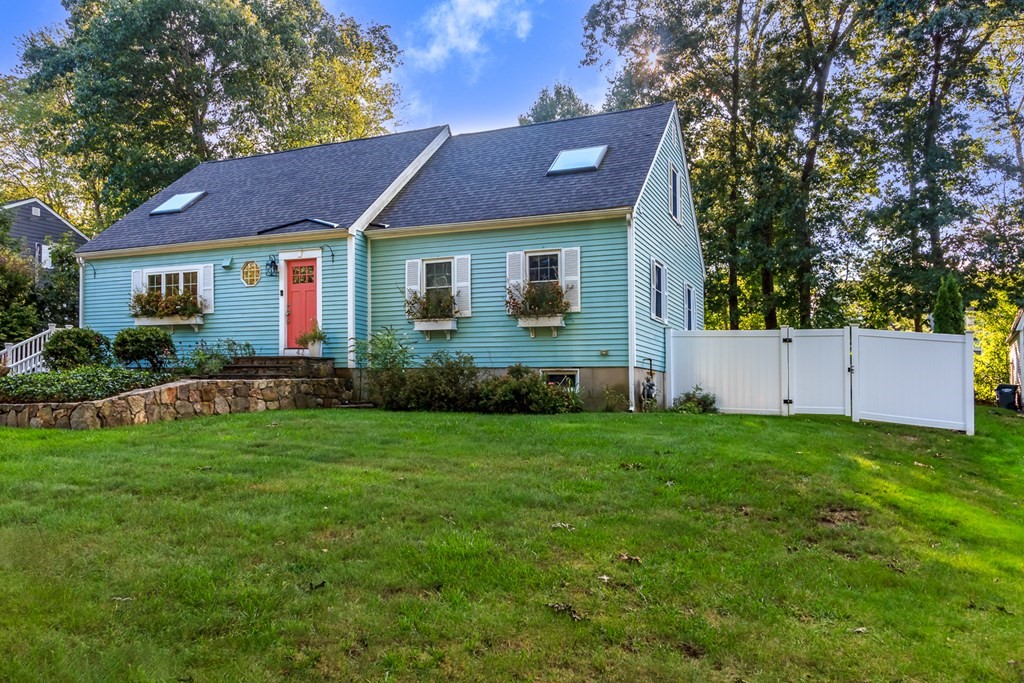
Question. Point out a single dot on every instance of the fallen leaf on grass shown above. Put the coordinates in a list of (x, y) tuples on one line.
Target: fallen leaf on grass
[(563, 525), (563, 608), (604, 578), (631, 465), (624, 557), (921, 464), (861, 629), (117, 599)]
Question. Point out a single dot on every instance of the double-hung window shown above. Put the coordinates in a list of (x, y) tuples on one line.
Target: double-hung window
[(542, 268), (443, 285), (196, 281), (545, 267), (659, 291)]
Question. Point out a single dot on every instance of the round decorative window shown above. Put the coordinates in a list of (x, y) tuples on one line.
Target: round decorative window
[(250, 273)]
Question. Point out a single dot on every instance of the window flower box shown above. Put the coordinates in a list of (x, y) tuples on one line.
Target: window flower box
[(150, 321), (446, 325), (550, 321)]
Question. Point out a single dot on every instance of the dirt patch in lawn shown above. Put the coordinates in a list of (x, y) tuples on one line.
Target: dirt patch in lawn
[(836, 515)]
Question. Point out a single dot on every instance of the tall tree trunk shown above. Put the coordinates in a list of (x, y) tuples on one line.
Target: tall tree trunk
[(768, 305), (805, 238), (933, 115), (732, 233)]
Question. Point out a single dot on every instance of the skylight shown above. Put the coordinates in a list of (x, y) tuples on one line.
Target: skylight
[(578, 160), (177, 203)]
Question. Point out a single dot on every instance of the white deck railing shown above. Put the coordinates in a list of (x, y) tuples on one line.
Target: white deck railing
[(27, 356)]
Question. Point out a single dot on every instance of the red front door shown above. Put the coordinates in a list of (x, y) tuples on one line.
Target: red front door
[(301, 312)]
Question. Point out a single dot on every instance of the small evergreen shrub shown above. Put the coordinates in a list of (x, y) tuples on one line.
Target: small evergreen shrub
[(87, 383), (76, 347), (149, 347), (694, 402), (524, 391), (948, 316), (444, 383)]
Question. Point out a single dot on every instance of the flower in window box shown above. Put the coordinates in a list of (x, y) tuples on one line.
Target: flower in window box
[(155, 304), (536, 300), (431, 305)]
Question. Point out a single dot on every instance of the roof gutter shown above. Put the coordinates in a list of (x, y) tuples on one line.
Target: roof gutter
[(254, 241), (500, 223)]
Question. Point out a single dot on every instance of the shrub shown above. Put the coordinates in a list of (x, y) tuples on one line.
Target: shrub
[(948, 316), (151, 346), (206, 359), (694, 402), (75, 347), (444, 382), (158, 305), (434, 305), (386, 356), (524, 391), (536, 299), (18, 318), (81, 384), (57, 291)]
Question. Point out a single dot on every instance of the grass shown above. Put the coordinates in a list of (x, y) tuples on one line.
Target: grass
[(364, 545)]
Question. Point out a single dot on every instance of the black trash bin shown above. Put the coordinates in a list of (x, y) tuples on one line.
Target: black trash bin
[(1006, 396)]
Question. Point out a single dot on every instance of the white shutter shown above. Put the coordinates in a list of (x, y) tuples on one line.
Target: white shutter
[(514, 269), (206, 287), (137, 284), (463, 286), (412, 276), (571, 277)]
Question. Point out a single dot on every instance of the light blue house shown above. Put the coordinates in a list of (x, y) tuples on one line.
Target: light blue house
[(345, 235)]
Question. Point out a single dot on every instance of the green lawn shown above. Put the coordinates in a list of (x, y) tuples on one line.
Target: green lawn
[(365, 545)]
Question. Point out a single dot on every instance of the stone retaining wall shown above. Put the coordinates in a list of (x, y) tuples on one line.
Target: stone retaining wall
[(178, 401)]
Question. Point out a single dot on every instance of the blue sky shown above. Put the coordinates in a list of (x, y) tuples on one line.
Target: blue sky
[(473, 64)]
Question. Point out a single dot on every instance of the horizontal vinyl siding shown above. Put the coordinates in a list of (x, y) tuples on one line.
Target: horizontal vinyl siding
[(659, 236), (490, 335), (362, 287), (241, 313)]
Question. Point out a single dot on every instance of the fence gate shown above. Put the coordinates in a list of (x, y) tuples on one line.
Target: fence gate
[(902, 377)]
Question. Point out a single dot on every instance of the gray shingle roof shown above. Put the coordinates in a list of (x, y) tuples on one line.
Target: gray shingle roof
[(335, 183), (502, 173)]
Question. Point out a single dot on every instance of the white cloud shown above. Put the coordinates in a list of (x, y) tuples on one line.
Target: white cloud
[(459, 27)]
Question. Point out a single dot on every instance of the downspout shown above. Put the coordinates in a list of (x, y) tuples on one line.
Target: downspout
[(631, 304), (81, 291), (351, 284)]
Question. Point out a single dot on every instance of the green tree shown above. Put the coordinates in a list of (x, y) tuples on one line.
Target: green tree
[(162, 85), (18, 319), (56, 295), (991, 327), (558, 102), (948, 314)]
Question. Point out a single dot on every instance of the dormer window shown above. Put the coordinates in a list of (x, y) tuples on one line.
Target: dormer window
[(578, 160), (177, 203)]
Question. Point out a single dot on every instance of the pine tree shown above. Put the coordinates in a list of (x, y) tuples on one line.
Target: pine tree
[(948, 316)]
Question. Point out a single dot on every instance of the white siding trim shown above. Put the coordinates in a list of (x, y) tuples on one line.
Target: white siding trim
[(631, 305), (350, 313)]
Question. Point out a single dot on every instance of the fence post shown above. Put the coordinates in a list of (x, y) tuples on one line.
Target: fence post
[(855, 364), (670, 369), (969, 383), (848, 381)]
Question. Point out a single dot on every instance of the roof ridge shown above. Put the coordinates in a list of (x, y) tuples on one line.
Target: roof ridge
[(574, 118), (323, 144)]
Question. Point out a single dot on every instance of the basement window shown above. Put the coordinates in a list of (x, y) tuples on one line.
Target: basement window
[(578, 160), (567, 379), (177, 203)]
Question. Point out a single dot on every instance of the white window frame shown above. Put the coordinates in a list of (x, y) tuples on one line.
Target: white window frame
[(690, 301), (655, 265), (204, 280), (45, 256), (423, 272), (542, 252), (575, 372), (462, 289)]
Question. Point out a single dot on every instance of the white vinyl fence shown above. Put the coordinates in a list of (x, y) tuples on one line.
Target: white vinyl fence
[(901, 377)]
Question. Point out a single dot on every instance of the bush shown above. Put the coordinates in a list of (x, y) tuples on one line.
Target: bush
[(206, 359), (444, 383), (82, 384), (386, 357), (18, 318), (76, 347), (151, 346), (524, 391), (694, 402)]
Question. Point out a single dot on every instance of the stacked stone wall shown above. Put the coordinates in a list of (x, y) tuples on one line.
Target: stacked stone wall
[(178, 401)]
